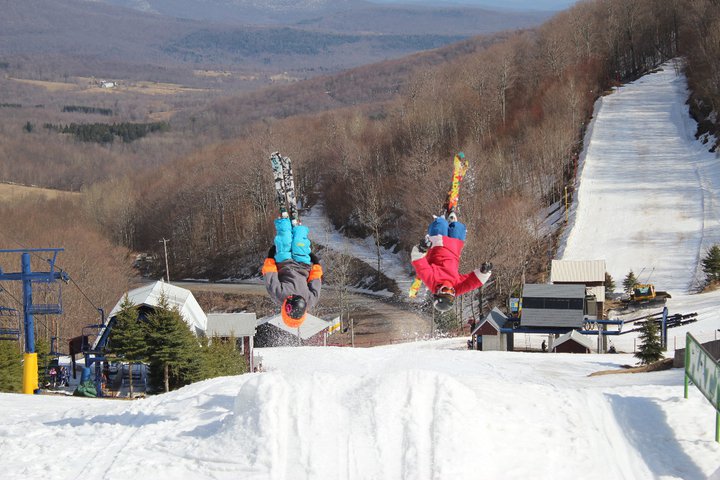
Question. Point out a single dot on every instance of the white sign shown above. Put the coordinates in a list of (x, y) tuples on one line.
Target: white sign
[(703, 371)]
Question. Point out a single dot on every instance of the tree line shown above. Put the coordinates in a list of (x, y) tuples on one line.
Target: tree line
[(106, 133), (83, 109)]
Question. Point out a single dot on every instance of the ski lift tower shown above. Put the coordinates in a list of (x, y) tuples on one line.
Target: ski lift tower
[(28, 277)]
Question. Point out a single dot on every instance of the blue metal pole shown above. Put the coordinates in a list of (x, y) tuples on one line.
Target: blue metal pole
[(27, 304), (664, 328)]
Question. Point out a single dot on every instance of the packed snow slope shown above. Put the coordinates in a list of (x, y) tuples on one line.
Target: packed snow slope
[(435, 410), (426, 410), (648, 190)]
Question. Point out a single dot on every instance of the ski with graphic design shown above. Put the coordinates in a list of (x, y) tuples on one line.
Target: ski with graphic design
[(284, 187), (278, 177), (289, 185), (460, 167)]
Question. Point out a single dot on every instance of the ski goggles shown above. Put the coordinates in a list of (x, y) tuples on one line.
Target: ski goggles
[(445, 290)]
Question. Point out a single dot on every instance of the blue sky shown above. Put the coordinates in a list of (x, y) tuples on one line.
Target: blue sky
[(505, 4)]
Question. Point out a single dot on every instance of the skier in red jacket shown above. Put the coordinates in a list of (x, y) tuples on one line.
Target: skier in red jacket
[(437, 260)]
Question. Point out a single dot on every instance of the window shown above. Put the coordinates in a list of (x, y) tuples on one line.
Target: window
[(554, 303)]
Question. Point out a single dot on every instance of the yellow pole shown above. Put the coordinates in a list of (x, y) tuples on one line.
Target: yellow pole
[(30, 373)]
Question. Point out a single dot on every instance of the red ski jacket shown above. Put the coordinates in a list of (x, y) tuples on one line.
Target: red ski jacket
[(440, 266)]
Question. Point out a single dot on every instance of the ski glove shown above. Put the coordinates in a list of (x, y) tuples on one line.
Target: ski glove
[(424, 244), (314, 259), (417, 254), (271, 252), (484, 272)]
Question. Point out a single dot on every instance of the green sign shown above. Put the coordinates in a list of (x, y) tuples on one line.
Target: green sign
[(702, 369)]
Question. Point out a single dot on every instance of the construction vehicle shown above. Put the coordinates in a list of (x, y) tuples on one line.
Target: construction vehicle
[(645, 295)]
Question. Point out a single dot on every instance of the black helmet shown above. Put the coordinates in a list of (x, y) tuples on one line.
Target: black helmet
[(443, 303), (444, 298), (293, 311)]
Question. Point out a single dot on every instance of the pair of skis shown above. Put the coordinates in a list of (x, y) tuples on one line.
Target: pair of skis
[(460, 167), (284, 187)]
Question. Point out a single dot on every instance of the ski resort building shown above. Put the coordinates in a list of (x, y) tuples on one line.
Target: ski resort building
[(590, 274), (553, 306), (223, 325), (147, 298), (487, 335)]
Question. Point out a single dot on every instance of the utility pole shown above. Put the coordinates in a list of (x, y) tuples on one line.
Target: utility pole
[(167, 270)]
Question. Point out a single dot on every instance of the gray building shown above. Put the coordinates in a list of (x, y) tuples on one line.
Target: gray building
[(553, 306)]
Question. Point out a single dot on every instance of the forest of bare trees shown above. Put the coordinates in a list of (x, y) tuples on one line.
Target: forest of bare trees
[(517, 106)]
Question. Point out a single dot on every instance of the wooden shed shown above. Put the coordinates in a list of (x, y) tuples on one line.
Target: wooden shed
[(572, 342), (487, 335)]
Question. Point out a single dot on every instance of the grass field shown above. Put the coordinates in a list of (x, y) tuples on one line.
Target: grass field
[(9, 192)]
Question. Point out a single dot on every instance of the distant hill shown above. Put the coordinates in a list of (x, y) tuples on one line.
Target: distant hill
[(347, 16), (310, 36)]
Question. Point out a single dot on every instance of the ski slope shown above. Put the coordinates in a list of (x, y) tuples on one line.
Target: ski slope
[(434, 410), (648, 191)]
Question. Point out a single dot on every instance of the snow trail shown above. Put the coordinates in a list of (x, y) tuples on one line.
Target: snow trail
[(646, 198)]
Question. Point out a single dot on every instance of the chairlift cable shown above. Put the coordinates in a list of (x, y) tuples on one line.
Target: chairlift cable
[(59, 268)]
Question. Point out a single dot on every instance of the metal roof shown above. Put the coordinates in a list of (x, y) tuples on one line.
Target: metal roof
[(547, 290), (231, 324), (577, 271), (149, 295)]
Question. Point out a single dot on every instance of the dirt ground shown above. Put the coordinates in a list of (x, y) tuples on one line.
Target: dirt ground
[(375, 320)]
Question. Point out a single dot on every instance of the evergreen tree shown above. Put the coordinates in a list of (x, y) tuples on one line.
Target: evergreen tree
[(11, 370), (711, 264), (221, 358), (609, 285), (173, 349), (127, 339), (42, 348), (650, 350), (629, 282)]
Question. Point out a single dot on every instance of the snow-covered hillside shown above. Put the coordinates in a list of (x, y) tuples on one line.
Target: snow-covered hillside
[(649, 193), (435, 410), (428, 410)]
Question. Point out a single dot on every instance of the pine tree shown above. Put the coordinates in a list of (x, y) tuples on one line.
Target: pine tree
[(11, 369), (711, 264), (609, 285), (221, 358), (650, 350), (42, 348), (127, 339), (629, 282), (173, 349)]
